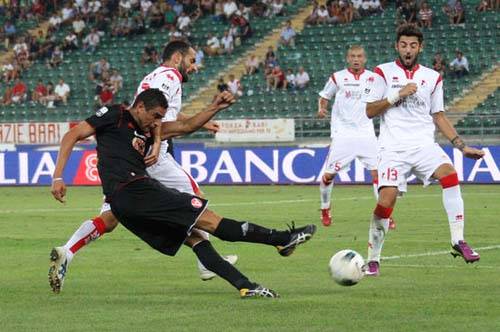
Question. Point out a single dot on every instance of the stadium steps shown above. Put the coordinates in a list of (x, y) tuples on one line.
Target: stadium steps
[(204, 95)]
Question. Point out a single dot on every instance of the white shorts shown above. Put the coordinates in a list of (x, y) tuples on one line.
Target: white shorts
[(171, 175), (344, 150), (394, 167)]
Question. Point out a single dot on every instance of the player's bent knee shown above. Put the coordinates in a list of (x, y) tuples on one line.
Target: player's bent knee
[(110, 222), (193, 239), (327, 178), (208, 221), (444, 170), (387, 196)]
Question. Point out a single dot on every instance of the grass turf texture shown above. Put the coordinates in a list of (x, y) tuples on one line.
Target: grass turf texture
[(119, 283)]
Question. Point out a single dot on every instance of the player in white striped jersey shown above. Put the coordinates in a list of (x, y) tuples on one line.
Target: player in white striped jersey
[(409, 99), (352, 133)]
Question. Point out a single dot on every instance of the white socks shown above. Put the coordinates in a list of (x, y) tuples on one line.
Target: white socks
[(454, 206), (88, 231), (325, 193), (379, 226)]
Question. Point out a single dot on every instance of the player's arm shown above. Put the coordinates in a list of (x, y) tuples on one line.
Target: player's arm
[(446, 127), (329, 90), (322, 107), (377, 108), (78, 133), (211, 126), (178, 128), (154, 152)]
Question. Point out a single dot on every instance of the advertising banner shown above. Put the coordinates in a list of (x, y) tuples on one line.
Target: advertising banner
[(33, 132), (255, 130), (235, 165)]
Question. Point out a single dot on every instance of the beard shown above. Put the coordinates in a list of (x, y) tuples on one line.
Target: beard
[(412, 64), (185, 76)]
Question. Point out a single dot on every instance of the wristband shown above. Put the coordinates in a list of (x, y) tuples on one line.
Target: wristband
[(393, 97), (56, 179)]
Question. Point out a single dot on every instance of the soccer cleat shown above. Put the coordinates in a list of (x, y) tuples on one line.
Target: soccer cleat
[(58, 268), (392, 224), (258, 292), (326, 218), (372, 269), (297, 236), (463, 250), (206, 274)]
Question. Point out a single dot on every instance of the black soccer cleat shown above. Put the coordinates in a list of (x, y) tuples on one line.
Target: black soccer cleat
[(297, 236), (258, 292)]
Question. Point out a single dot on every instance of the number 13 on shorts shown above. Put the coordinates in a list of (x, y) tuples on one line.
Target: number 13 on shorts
[(390, 174)]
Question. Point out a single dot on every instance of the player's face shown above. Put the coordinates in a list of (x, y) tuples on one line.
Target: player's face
[(356, 59), (148, 120), (188, 65), (408, 48)]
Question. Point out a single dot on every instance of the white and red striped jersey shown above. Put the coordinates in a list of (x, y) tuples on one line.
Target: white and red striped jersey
[(348, 118), (169, 81), (408, 123)]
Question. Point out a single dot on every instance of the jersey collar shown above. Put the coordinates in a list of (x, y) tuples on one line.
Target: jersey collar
[(356, 75), (409, 73), (175, 71)]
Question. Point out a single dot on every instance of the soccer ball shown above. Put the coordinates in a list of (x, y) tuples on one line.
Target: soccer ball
[(347, 267)]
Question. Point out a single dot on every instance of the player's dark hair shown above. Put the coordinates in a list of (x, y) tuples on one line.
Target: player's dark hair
[(151, 98), (175, 46), (410, 30)]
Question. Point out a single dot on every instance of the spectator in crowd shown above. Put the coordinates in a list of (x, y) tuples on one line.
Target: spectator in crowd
[(78, 26), (290, 78), (459, 66), (98, 68), (375, 7), (213, 45), (56, 58), (19, 92), (62, 91), (70, 42), (425, 16), (199, 56), (406, 13), (229, 7), (221, 85), (302, 79), (227, 43), (9, 30), (55, 22), (170, 17), (178, 8), (7, 96), (183, 22), (146, 7), (323, 15), (276, 79), (270, 53), (101, 24), (116, 81), (287, 36), (67, 13), (91, 42), (482, 6), (124, 7), (207, 6), (455, 12), (252, 65), (244, 26), (192, 9), (439, 64), (277, 8), (22, 53), (149, 54), (10, 71), (175, 34), (235, 86), (312, 19), (106, 95), (39, 93), (244, 11), (50, 98)]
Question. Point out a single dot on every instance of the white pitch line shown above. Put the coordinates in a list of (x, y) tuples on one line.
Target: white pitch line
[(435, 253), (289, 201), (421, 266)]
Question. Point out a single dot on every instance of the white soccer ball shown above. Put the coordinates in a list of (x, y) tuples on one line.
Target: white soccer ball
[(347, 267)]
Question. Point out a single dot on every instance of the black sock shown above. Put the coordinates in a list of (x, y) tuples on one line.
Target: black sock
[(232, 230), (215, 263)]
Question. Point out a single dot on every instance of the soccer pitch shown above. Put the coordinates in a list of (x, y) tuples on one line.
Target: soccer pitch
[(119, 283)]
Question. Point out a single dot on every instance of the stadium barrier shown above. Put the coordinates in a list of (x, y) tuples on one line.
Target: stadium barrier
[(34, 164)]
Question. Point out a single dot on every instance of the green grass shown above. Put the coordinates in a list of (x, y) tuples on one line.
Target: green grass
[(119, 283)]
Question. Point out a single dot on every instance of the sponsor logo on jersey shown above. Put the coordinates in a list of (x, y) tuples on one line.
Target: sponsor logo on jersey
[(101, 111), (371, 79), (395, 79), (196, 203), (139, 144), (145, 86), (397, 86)]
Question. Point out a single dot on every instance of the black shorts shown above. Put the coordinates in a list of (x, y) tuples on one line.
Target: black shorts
[(162, 217)]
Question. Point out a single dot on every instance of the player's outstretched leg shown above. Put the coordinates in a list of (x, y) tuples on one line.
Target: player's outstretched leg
[(392, 223), (379, 226), (454, 206), (61, 257), (206, 274), (325, 189), (232, 231), (213, 261)]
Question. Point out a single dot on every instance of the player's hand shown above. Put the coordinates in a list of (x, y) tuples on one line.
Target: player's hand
[(472, 153), (322, 113), (152, 157), (212, 126), (408, 90), (58, 190), (223, 100)]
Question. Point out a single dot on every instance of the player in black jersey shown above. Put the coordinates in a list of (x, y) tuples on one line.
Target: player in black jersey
[(162, 217)]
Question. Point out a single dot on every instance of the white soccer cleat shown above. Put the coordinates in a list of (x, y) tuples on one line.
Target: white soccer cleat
[(58, 267), (206, 274)]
